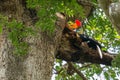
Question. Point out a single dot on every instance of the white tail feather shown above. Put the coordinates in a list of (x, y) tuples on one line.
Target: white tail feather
[(100, 52)]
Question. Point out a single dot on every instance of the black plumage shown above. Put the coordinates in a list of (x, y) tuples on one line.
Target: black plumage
[(90, 42)]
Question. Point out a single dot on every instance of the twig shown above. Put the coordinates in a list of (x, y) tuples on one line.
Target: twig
[(58, 72), (77, 71), (87, 65)]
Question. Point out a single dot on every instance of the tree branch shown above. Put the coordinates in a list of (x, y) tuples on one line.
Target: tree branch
[(83, 66), (73, 49), (87, 6), (77, 71)]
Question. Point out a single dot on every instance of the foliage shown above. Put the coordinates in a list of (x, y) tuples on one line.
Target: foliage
[(16, 33), (100, 28), (97, 26), (47, 9), (116, 61), (2, 22)]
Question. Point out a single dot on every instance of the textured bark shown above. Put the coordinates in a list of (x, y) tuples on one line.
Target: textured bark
[(71, 44), (73, 49), (87, 6), (37, 64)]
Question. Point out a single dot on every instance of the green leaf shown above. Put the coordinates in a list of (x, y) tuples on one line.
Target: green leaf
[(106, 76)]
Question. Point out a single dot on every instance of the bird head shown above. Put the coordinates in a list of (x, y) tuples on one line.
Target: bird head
[(79, 24), (74, 25)]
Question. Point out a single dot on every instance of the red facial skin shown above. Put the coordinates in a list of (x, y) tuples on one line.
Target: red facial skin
[(78, 23)]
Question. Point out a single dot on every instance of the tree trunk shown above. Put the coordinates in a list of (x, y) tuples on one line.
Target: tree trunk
[(37, 64)]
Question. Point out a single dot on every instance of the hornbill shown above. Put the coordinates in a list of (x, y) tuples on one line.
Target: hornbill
[(74, 26)]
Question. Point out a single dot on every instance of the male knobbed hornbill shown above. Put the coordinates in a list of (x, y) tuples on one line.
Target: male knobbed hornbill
[(74, 26)]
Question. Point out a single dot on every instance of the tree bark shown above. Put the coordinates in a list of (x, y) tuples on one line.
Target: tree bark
[(38, 63), (73, 49)]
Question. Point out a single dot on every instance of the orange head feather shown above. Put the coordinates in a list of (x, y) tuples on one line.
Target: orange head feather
[(75, 25)]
